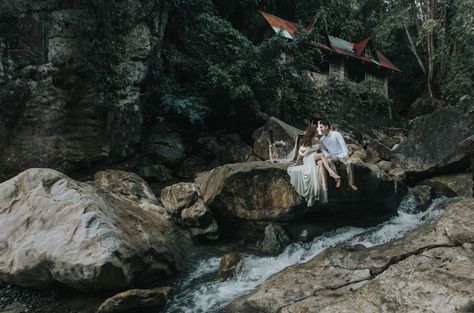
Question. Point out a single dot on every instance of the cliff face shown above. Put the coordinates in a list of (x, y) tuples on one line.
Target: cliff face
[(71, 80)]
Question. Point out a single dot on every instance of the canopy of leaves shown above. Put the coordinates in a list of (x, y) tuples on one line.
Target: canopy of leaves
[(213, 73)]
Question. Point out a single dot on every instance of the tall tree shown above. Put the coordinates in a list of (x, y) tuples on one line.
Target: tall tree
[(419, 20)]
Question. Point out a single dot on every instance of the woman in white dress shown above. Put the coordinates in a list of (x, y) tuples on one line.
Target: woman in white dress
[(309, 179)]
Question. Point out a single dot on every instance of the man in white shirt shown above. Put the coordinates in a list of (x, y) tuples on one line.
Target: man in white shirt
[(334, 148)]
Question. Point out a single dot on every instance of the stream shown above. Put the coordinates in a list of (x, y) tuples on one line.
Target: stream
[(199, 291)]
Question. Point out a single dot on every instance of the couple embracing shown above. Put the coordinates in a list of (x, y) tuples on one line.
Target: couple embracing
[(319, 155)]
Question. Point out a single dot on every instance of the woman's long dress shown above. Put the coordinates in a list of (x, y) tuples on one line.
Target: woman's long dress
[(306, 178)]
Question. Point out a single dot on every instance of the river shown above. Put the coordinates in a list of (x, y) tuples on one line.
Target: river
[(199, 291)]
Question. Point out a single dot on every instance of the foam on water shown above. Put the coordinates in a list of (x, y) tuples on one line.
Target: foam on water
[(201, 292)]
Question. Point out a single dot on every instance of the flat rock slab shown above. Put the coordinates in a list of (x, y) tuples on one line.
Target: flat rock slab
[(428, 270)]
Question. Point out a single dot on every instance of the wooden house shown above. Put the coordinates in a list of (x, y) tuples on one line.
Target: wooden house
[(342, 59)]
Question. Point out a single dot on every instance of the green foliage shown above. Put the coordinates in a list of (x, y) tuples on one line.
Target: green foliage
[(371, 96), (350, 103), (191, 108), (458, 75), (442, 39), (334, 17), (213, 75)]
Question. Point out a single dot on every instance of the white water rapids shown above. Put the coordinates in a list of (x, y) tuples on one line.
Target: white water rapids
[(201, 292)]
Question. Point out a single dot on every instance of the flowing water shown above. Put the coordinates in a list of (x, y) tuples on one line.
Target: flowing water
[(201, 292)]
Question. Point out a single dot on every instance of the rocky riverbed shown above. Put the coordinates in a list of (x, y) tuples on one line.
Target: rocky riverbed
[(429, 269), (112, 233), (14, 299)]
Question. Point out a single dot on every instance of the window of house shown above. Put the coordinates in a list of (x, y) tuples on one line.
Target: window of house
[(367, 53), (323, 68), (355, 74)]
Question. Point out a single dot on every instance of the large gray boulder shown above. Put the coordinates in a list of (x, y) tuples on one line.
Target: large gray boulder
[(428, 270), (56, 230), (251, 190), (461, 184), (438, 142), (184, 203), (261, 191), (165, 145), (212, 150)]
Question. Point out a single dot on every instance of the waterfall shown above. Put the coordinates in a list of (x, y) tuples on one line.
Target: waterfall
[(201, 292)]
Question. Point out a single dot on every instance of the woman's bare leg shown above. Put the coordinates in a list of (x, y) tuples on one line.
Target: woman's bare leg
[(337, 178)]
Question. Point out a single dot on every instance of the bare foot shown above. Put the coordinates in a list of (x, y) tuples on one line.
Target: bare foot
[(354, 187), (337, 178), (325, 188)]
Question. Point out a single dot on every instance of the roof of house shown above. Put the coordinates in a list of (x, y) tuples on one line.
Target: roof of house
[(336, 45)]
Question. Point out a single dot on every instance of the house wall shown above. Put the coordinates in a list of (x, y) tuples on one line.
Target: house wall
[(339, 67), (380, 78), (318, 78), (336, 68)]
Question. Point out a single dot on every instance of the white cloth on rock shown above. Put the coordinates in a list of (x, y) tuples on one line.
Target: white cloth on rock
[(287, 159), (306, 178)]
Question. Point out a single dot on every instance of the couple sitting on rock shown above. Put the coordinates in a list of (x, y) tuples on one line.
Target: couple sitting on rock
[(318, 156)]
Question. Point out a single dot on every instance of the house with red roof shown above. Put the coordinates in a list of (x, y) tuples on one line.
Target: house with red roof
[(342, 59)]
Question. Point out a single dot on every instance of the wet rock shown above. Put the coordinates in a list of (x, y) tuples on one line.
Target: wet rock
[(436, 143), (451, 185), (185, 204), (230, 265), (382, 150), (431, 262), (275, 240), (422, 196), (372, 156), (56, 230), (192, 165), (385, 165), (199, 220), (357, 152), (137, 300), (391, 141), (423, 106), (165, 145), (179, 196), (156, 172)]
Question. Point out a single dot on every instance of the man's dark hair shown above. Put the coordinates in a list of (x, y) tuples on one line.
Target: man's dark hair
[(325, 123)]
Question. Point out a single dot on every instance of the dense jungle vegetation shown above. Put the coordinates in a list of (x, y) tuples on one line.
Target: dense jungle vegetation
[(215, 69)]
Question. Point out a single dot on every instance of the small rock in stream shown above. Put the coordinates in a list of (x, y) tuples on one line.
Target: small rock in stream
[(231, 264)]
